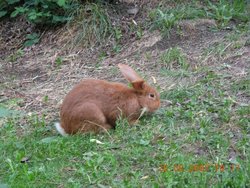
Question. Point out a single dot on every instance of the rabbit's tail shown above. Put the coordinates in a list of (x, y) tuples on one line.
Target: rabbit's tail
[(60, 129)]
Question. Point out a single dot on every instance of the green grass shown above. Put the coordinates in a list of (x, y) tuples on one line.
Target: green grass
[(164, 18), (185, 145), (174, 58), (93, 24), (129, 157), (224, 11)]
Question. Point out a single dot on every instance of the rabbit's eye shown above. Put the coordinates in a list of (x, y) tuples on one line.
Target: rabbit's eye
[(151, 95)]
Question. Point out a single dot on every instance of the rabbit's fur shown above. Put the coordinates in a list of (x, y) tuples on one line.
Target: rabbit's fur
[(95, 105)]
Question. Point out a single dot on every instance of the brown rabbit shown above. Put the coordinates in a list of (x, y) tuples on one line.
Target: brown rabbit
[(95, 105)]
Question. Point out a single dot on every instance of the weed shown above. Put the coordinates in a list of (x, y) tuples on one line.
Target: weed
[(148, 56), (44, 12), (218, 48), (116, 48), (139, 33), (94, 24), (238, 45), (201, 102), (12, 103), (6, 7), (4, 112), (243, 118), (175, 73), (14, 57), (59, 61), (224, 11), (192, 11), (102, 56), (46, 98), (174, 58), (242, 86), (235, 36), (163, 21), (118, 34), (31, 39)]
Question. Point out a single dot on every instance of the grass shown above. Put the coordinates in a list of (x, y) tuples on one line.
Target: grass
[(174, 57), (183, 137), (164, 18), (223, 11), (132, 156), (200, 140), (93, 24)]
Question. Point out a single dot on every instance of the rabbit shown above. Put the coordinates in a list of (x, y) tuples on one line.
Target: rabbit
[(95, 105)]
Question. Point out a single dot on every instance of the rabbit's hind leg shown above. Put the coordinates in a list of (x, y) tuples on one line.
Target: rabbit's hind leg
[(91, 119)]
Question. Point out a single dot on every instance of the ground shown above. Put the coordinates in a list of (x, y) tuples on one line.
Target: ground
[(199, 135)]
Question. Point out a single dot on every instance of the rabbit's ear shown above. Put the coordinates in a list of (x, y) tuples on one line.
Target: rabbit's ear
[(129, 73), (138, 85)]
